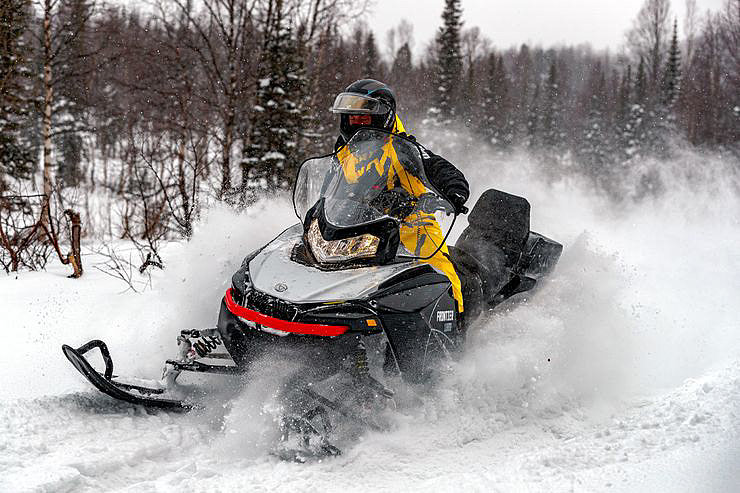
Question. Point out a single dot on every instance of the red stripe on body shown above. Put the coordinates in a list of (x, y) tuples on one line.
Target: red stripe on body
[(284, 325)]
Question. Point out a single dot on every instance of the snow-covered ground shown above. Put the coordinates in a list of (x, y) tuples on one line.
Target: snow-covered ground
[(621, 374)]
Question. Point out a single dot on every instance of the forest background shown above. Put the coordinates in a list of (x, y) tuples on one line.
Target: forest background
[(128, 123)]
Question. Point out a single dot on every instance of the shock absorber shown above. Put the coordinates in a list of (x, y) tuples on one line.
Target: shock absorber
[(361, 368), (205, 344), (361, 373)]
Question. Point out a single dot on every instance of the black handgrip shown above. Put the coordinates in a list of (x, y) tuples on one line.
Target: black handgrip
[(431, 203), (96, 343)]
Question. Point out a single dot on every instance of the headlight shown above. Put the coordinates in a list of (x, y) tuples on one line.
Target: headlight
[(362, 246)]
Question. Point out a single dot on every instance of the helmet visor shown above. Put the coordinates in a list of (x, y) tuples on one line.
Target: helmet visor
[(357, 104)]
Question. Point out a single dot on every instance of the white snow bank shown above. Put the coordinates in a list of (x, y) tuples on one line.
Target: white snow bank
[(621, 373)]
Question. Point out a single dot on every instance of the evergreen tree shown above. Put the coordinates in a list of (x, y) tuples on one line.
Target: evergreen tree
[(641, 83), (356, 54), (534, 117), (672, 72), (469, 100), (500, 108), (449, 59), (707, 80), (623, 97), (635, 130), (663, 124), (16, 153), (402, 66), (523, 86), (551, 132), (401, 78), (488, 101), (271, 156), (371, 57), (648, 40), (595, 146), (495, 105)]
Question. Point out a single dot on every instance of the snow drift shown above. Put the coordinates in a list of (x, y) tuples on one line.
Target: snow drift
[(624, 362)]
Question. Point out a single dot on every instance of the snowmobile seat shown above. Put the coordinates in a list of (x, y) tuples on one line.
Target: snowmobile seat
[(492, 244), (498, 219)]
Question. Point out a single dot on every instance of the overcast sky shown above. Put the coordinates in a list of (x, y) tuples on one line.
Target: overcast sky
[(512, 22)]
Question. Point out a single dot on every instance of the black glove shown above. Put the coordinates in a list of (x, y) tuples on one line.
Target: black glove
[(458, 199)]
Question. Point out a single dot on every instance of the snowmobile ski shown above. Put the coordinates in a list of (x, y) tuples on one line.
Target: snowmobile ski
[(107, 384)]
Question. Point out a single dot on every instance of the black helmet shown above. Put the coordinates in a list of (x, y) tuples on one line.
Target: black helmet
[(367, 97)]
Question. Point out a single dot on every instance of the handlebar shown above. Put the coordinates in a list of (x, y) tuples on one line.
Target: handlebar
[(431, 203)]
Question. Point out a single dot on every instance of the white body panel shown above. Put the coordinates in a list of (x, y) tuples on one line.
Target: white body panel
[(273, 273)]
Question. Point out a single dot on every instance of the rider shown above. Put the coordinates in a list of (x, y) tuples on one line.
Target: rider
[(370, 103)]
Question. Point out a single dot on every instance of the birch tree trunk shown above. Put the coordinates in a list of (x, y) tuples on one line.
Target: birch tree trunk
[(46, 127)]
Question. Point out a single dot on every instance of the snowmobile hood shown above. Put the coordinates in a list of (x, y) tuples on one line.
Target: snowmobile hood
[(273, 273)]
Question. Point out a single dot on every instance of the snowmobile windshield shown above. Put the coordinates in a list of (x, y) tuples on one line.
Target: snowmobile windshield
[(376, 175)]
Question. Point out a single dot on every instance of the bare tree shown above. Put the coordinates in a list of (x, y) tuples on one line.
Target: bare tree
[(26, 241), (313, 17), (177, 168), (730, 35), (225, 48), (690, 26), (20, 229), (649, 38), (396, 37)]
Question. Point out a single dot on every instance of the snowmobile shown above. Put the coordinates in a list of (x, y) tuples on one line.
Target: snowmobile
[(346, 297)]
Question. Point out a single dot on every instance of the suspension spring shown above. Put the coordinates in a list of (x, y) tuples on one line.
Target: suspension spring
[(206, 344)]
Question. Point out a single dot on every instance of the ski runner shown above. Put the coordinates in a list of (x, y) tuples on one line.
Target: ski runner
[(370, 103)]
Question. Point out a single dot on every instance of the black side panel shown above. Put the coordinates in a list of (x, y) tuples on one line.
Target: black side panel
[(421, 340), (413, 299), (409, 275)]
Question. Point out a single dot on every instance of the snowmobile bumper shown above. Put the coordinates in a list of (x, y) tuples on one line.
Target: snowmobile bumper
[(316, 337), (282, 326)]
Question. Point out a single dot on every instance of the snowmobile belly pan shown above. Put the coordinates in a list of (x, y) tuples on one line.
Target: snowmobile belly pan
[(273, 273)]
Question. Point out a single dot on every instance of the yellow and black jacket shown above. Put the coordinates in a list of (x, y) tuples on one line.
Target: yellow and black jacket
[(421, 235)]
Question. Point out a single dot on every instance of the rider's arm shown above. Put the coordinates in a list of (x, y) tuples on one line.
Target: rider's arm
[(445, 177)]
